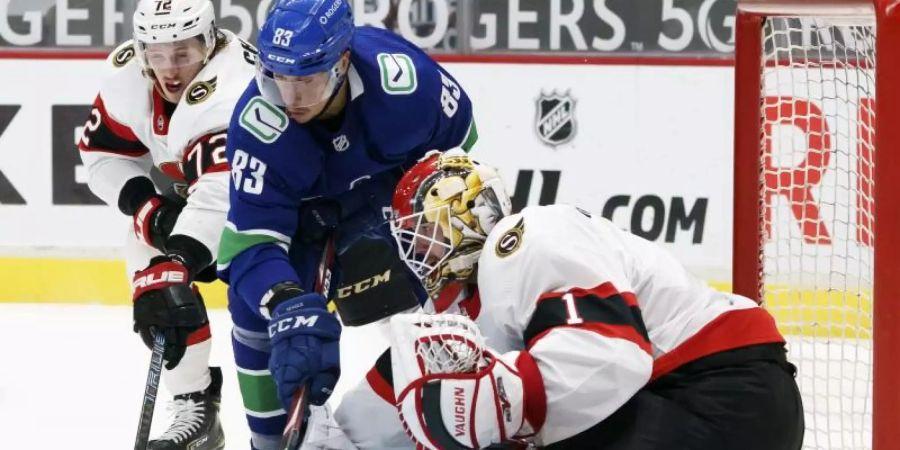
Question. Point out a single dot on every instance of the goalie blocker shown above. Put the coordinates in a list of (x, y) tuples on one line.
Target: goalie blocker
[(372, 283)]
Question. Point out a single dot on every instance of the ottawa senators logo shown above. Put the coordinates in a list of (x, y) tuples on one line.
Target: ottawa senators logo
[(200, 91), (123, 56), (511, 240)]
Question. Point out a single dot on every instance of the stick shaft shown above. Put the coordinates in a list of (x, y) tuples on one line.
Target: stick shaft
[(296, 425), (150, 389)]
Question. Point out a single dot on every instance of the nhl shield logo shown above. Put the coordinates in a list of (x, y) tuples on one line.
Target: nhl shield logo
[(555, 119), (340, 143)]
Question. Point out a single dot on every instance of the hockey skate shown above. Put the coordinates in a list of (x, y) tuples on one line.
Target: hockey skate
[(196, 424)]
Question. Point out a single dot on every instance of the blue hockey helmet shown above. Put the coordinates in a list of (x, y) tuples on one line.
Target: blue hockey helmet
[(301, 38)]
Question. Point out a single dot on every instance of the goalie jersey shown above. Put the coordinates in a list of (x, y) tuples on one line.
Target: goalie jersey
[(132, 128), (601, 311)]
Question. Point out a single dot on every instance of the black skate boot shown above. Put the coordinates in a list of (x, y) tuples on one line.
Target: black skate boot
[(196, 424)]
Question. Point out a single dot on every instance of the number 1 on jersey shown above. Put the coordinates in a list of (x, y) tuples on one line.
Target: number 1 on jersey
[(571, 310)]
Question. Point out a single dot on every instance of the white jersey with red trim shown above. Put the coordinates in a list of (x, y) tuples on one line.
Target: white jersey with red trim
[(131, 128), (601, 311)]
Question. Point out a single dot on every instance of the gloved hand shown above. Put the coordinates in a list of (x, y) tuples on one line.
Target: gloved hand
[(152, 215), (317, 218), (165, 301), (305, 349), (154, 220)]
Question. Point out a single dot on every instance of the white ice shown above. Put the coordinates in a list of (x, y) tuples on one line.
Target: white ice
[(72, 376)]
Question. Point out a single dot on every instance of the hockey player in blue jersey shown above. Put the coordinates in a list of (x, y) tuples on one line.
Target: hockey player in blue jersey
[(316, 145)]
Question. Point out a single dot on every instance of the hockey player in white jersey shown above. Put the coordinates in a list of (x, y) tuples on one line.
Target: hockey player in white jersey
[(166, 104), (593, 337)]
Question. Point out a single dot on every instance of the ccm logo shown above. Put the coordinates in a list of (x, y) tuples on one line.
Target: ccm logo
[(292, 322), (162, 26), (281, 59), (162, 277), (364, 285)]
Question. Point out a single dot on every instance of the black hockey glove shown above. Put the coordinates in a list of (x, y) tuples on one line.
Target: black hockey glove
[(166, 302), (153, 215), (317, 219)]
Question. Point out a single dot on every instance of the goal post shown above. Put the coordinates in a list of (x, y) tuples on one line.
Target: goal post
[(817, 203)]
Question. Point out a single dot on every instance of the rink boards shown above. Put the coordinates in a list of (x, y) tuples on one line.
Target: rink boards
[(649, 147)]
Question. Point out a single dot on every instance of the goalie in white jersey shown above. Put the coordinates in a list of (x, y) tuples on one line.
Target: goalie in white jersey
[(166, 104), (594, 338)]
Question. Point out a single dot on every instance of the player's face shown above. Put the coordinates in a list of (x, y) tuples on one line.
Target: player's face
[(174, 65), (428, 250), (306, 96), (422, 242)]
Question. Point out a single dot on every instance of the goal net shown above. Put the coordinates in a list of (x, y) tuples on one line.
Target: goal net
[(805, 208)]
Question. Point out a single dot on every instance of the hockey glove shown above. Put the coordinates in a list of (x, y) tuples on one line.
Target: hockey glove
[(153, 216), (318, 218), (305, 349), (166, 302), (453, 392), (155, 219)]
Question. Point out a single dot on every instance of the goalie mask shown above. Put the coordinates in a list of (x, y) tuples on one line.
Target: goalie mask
[(443, 209)]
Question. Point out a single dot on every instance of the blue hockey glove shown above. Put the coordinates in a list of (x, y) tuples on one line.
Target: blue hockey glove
[(305, 348)]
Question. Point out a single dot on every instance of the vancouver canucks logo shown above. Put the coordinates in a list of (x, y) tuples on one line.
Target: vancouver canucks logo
[(511, 240), (200, 91), (555, 119)]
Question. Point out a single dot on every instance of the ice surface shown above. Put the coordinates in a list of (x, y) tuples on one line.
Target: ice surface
[(72, 376)]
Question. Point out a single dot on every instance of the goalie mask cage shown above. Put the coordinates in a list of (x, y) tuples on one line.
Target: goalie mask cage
[(817, 203)]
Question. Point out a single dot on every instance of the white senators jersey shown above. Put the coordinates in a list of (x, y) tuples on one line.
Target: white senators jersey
[(601, 311), (131, 128)]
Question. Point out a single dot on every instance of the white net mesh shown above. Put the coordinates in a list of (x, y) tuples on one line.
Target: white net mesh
[(448, 343), (816, 188)]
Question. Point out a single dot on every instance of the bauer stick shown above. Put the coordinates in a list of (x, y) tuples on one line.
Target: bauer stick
[(299, 413), (153, 375)]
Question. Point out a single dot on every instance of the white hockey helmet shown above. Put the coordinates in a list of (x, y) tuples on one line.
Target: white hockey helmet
[(170, 21)]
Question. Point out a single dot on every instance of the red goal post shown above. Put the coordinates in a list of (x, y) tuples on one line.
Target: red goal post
[(817, 202)]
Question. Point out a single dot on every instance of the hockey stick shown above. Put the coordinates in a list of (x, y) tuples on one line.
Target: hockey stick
[(299, 413), (153, 375)]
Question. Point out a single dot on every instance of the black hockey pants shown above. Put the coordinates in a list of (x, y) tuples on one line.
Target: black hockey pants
[(741, 399)]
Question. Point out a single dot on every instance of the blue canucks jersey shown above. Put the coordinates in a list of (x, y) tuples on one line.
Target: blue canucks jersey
[(401, 105)]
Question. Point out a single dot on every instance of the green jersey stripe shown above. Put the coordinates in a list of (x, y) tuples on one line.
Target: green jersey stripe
[(234, 242), (471, 137), (259, 393)]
